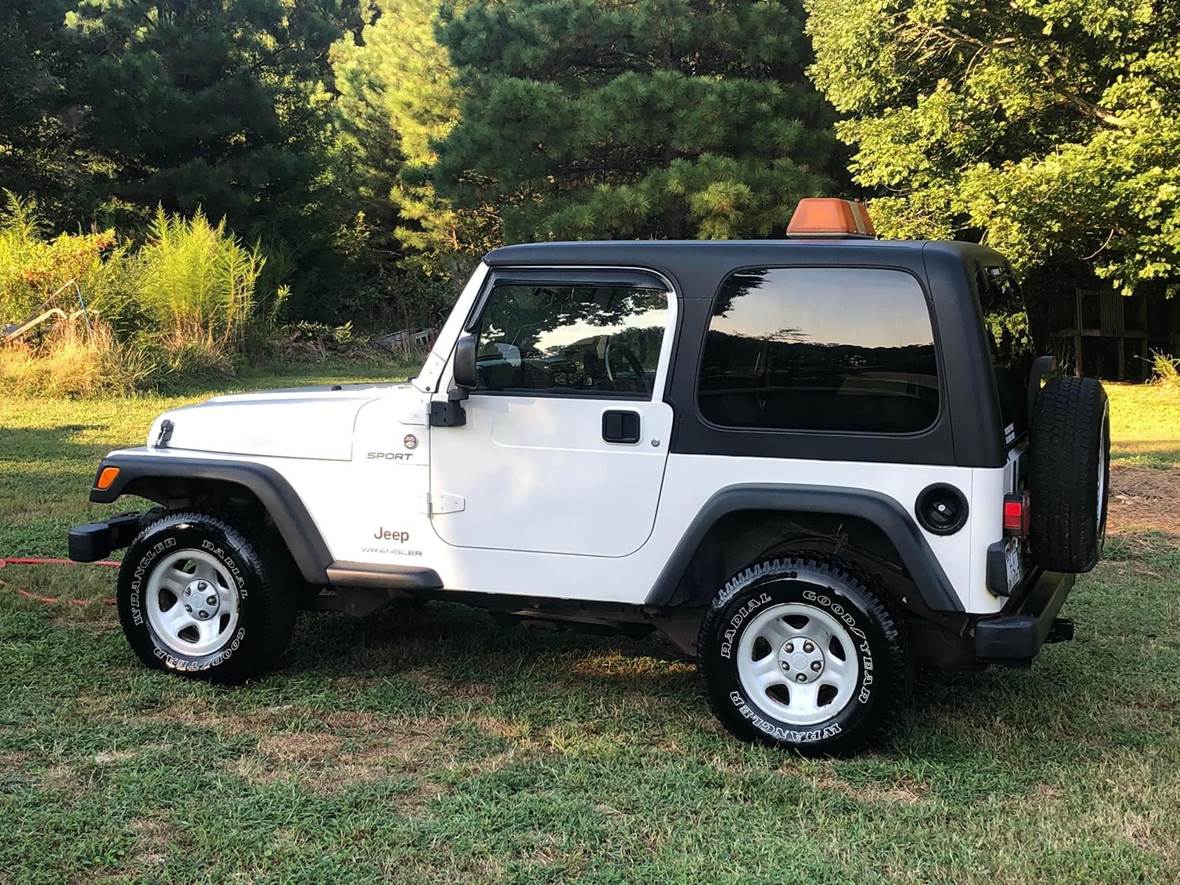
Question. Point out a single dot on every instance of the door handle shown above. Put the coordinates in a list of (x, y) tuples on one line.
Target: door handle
[(620, 426)]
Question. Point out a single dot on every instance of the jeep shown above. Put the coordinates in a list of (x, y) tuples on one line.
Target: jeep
[(797, 458)]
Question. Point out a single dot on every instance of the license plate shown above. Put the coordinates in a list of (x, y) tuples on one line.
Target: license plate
[(1014, 562)]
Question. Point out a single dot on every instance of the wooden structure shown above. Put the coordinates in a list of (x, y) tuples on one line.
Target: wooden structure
[(1105, 314)]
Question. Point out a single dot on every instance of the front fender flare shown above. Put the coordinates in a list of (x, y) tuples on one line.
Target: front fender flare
[(138, 472), (887, 514)]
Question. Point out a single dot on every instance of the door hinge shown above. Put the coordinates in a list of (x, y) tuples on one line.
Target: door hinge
[(444, 503)]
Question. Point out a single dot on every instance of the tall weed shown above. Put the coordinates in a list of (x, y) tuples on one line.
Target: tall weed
[(195, 281), (73, 361), (1165, 369), (66, 271)]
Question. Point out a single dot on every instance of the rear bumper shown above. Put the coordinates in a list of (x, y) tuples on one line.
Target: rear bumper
[(95, 540), (1016, 636)]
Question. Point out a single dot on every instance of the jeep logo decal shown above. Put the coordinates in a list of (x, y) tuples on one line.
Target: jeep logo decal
[(384, 534)]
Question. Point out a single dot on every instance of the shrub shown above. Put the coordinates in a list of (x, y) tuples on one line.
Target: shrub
[(37, 273), (1165, 369), (73, 361), (195, 282)]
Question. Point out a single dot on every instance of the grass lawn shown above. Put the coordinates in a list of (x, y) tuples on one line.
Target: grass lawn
[(426, 744)]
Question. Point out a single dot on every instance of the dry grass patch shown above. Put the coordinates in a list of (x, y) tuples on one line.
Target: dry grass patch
[(430, 681), (617, 665), (1144, 499), (900, 790), (199, 713), (152, 836), (355, 748), (109, 756)]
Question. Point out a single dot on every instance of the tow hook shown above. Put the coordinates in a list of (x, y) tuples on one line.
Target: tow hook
[(1060, 631)]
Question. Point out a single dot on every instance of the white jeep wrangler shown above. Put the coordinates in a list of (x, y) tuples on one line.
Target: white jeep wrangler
[(794, 457)]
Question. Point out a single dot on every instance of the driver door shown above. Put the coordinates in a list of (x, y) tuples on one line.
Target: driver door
[(566, 433)]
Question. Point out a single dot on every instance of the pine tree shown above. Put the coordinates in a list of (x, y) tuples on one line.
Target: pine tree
[(647, 118), (398, 97), (216, 104)]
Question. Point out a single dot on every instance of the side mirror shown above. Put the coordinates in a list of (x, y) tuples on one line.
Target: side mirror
[(463, 367)]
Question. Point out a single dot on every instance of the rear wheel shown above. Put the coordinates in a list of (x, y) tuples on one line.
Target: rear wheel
[(1069, 474), (800, 654), (197, 597)]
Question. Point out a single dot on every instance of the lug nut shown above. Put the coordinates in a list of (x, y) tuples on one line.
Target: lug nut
[(808, 647), (785, 666), (202, 614), (202, 586), (188, 608), (188, 591), (790, 647), (211, 600), (816, 666), (800, 678)]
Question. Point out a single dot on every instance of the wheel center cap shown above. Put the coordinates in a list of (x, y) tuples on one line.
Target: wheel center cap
[(801, 660), (201, 600)]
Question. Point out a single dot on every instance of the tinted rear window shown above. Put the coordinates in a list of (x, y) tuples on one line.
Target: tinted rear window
[(823, 349)]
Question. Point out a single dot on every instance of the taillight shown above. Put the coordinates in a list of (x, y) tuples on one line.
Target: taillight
[(1016, 516)]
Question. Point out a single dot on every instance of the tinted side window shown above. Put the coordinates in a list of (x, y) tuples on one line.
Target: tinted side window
[(825, 349), (572, 340), (1000, 296)]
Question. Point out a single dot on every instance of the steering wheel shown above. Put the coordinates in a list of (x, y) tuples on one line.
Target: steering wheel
[(630, 359)]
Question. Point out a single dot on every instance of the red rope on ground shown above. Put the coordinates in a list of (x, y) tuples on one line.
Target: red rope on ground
[(43, 560)]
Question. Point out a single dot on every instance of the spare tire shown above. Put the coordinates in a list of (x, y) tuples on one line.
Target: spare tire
[(1069, 474)]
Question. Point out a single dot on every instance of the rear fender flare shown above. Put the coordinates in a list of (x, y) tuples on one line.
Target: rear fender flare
[(902, 530)]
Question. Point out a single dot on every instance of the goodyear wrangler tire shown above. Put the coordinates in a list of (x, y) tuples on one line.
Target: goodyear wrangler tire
[(1069, 474), (799, 654), (199, 598)]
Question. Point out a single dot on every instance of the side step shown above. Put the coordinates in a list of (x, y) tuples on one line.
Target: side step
[(359, 589), (384, 577)]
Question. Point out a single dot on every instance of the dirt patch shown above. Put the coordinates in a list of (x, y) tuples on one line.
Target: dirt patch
[(1144, 499)]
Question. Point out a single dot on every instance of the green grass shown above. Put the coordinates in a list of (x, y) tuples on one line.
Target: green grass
[(1145, 424), (428, 744)]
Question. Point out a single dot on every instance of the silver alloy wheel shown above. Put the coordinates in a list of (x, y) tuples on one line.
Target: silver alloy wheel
[(192, 603), (798, 664)]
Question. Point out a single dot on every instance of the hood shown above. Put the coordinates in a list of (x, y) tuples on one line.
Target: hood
[(298, 422)]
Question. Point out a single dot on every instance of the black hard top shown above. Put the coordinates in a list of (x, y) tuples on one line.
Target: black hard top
[(969, 431), (689, 261)]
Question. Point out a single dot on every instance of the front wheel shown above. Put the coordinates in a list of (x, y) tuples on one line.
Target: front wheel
[(197, 597), (799, 654)]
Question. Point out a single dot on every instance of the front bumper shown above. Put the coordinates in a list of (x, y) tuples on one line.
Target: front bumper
[(1015, 636), (95, 540)]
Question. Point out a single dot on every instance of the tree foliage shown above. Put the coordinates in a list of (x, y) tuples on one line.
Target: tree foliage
[(204, 102), (644, 118), (397, 98), (1048, 128), (39, 153)]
